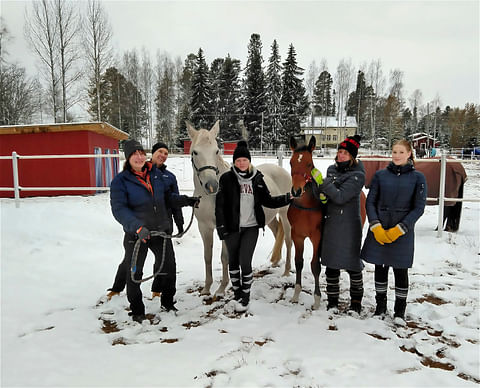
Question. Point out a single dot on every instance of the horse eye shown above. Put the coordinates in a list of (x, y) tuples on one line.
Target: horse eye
[(217, 152), (195, 152)]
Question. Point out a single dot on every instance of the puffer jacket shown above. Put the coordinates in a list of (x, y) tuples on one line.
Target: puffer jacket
[(133, 205), (397, 195), (342, 230), (227, 203)]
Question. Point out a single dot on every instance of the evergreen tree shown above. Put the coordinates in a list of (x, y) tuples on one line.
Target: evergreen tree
[(215, 77), (294, 100), (165, 104), (184, 97), (357, 103), (200, 103), (323, 103), (254, 90), (229, 107), (273, 98)]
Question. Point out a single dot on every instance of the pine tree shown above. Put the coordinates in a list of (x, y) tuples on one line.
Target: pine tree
[(200, 103), (324, 104), (184, 97), (165, 104), (229, 107), (294, 100), (273, 98), (254, 90), (215, 78), (357, 103)]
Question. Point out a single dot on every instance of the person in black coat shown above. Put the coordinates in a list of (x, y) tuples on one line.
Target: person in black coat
[(239, 214), (342, 229), (395, 202), (140, 201)]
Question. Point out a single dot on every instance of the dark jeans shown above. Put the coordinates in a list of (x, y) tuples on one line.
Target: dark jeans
[(164, 283), (333, 284), (401, 280)]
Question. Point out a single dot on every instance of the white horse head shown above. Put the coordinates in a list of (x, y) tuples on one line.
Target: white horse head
[(207, 162)]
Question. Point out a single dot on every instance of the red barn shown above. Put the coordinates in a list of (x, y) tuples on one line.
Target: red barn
[(59, 139)]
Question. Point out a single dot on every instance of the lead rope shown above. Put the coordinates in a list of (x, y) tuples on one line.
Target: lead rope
[(136, 248)]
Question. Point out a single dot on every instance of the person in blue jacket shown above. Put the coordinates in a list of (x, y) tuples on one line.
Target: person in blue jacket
[(159, 156), (395, 202), (140, 202)]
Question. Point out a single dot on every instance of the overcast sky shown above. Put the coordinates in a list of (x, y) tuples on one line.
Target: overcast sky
[(435, 43)]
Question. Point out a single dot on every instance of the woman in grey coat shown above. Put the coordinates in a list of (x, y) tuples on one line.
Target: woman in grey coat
[(395, 202), (342, 230)]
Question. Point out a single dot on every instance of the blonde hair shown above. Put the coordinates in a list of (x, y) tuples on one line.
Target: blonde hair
[(408, 147)]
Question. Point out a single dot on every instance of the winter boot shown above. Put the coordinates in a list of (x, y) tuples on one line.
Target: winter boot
[(399, 309), (381, 308), (332, 303), (137, 317)]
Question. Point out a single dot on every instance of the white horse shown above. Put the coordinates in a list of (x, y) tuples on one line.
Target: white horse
[(208, 165)]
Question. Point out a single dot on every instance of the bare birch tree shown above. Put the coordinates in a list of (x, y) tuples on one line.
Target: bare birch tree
[(147, 87), (343, 82), (41, 31), (375, 78), (97, 36), (416, 105)]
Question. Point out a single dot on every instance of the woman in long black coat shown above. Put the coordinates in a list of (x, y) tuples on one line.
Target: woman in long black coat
[(395, 202), (342, 230)]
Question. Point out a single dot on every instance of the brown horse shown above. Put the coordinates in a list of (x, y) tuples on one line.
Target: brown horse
[(305, 215)]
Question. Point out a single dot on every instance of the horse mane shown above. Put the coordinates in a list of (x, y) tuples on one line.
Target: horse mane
[(301, 148)]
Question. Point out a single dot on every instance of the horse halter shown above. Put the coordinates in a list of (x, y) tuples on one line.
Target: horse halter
[(203, 168)]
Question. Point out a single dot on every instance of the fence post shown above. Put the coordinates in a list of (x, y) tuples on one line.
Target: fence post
[(16, 188), (441, 194)]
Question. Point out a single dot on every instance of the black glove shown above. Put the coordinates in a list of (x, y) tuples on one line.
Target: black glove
[(295, 194), (193, 201), (143, 233), (180, 228), (222, 233)]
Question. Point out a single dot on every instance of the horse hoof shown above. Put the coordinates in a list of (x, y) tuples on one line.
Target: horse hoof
[(316, 303), (205, 291)]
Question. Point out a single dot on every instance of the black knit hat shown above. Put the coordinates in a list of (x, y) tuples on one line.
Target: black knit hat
[(351, 144), (158, 146), (130, 146), (241, 151)]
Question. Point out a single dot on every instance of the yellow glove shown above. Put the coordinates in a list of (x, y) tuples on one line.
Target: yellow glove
[(317, 176), (395, 232), (380, 234)]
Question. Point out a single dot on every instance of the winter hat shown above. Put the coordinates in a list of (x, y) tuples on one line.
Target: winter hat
[(130, 146), (158, 146), (351, 144), (241, 151)]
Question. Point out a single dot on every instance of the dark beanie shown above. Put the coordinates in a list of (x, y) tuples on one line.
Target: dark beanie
[(130, 146), (158, 146), (241, 151), (351, 144)]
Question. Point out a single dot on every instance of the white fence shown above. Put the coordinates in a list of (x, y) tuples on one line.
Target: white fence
[(17, 188)]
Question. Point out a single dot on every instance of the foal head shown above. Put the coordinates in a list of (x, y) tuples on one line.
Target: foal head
[(301, 164)]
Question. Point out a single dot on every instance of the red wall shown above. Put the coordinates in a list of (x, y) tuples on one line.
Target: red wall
[(228, 148), (186, 146), (52, 172)]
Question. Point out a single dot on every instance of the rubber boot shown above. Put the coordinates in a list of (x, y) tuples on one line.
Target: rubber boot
[(399, 309), (381, 308), (356, 305), (332, 303)]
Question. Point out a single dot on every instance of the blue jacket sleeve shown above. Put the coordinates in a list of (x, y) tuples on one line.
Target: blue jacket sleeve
[(345, 191), (120, 209)]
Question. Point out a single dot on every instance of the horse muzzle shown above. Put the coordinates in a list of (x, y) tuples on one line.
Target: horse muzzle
[(211, 187)]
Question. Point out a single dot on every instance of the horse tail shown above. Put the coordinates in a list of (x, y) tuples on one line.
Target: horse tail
[(277, 248)]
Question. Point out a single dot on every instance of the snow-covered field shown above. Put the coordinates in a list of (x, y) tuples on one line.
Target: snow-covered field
[(59, 255)]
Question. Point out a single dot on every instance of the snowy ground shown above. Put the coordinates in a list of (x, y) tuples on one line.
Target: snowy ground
[(59, 255)]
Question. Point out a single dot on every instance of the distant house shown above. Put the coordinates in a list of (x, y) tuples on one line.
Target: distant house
[(328, 131), (423, 141), (59, 139)]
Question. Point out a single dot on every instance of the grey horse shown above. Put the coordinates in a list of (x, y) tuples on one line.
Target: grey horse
[(208, 165)]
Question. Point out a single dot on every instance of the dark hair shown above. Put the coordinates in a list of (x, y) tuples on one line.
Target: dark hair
[(408, 147)]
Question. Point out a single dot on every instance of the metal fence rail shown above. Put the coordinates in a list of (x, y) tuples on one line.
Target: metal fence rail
[(17, 188)]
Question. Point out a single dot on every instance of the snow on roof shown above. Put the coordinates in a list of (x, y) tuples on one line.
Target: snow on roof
[(98, 127), (330, 121)]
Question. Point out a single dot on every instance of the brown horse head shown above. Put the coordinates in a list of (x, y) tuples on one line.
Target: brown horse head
[(301, 164)]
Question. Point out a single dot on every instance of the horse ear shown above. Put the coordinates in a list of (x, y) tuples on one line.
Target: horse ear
[(312, 143), (215, 129), (293, 143), (192, 132)]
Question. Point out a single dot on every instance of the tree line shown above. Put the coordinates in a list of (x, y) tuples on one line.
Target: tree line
[(265, 101)]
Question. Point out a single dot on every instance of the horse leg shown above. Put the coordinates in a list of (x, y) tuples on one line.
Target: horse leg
[(225, 276), (207, 238), (277, 230), (316, 268), (298, 241), (287, 230)]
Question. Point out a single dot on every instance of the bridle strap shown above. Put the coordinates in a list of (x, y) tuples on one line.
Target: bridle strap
[(199, 170)]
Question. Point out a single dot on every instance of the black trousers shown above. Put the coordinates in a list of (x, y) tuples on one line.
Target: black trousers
[(333, 284), (401, 281), (164, 283)]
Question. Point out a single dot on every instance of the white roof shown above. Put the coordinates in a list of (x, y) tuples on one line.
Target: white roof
[(331, 122)]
